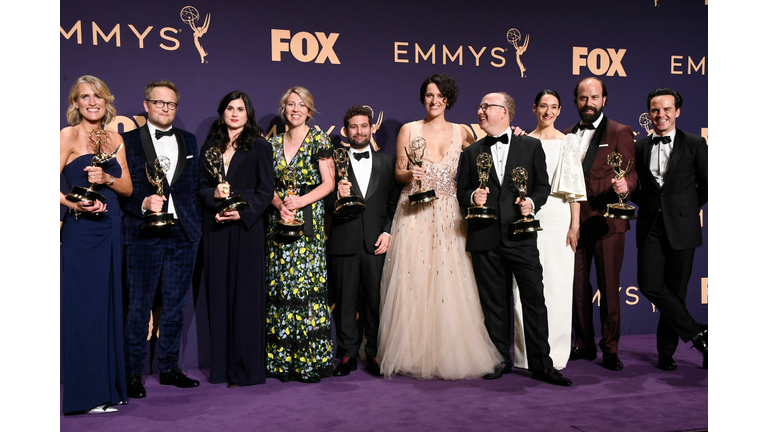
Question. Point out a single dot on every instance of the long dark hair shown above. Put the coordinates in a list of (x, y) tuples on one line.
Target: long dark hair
[(219, 134)]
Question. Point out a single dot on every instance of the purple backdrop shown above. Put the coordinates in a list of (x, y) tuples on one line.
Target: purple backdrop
[(378, 54)]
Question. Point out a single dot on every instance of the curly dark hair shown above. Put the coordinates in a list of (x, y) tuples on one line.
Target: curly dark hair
[(219, 134), (445, 84), (356, 111)]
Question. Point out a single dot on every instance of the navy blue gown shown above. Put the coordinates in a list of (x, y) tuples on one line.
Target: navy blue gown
[(93, 370)]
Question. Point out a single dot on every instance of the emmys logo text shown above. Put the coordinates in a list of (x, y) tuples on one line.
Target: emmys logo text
[(599, 61), (116, 33), (676, 64), (405, 52), (304, 46)]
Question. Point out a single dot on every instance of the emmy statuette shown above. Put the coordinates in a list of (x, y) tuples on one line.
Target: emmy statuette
[(159, 219), (98, 138), (619, 210), (351, 205), (215, 167), (291, 230), (416, 156), (528, 223), (484, 164)]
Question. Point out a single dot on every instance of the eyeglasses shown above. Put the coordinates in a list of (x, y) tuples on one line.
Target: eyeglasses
[(485, 106), (161, 104)]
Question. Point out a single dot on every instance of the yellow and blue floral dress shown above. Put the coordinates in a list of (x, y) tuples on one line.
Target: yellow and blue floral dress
[(299, 345)]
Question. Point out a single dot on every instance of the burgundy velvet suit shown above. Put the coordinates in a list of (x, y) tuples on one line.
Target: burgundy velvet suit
[(601, 238)]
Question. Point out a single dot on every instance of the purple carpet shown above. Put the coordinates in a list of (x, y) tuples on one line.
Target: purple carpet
[(640, 397)]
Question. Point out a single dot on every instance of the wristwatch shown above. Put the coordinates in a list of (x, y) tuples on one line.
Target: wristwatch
[(111, 180)]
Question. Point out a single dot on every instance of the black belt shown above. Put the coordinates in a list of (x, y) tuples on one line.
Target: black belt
[(309, 231)]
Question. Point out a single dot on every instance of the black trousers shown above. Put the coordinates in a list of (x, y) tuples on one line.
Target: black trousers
[(663, 275), (494, 271)]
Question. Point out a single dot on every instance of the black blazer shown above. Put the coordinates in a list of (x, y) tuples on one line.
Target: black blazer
[(346, 234), (683, 194), (140, 151), (250, 175), (524, 152)]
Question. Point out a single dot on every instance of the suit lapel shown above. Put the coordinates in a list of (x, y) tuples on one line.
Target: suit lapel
[(237, 159), (376, 168), (353, 180), (182, 156), (647, 149), (677, 151), (147, 146), (594, 145), (515, 148)]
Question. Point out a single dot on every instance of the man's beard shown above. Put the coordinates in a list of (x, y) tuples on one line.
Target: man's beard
[(357, 146), (590, 118)]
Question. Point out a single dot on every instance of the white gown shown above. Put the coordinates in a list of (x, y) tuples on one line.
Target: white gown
[(431, 323), (567, 179)]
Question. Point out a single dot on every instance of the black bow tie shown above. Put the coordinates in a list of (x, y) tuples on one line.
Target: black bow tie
[(491, 140), (159, 134), (585, 126), (661, 139), (361, 155)]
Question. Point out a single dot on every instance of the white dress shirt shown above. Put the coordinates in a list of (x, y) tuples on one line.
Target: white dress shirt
[(362, 168), (660, 154)]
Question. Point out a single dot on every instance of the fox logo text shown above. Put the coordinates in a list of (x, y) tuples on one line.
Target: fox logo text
[(304, 46)]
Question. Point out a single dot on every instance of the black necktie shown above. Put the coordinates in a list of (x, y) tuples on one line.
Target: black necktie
[(159, 134), (585, 126), (661, 139), (361, 155), (491, 140)]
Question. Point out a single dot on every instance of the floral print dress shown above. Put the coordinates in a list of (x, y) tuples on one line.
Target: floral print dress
[(299, 345)]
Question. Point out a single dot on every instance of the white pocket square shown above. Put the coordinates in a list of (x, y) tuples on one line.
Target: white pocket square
[(603, 145), (191, 156)]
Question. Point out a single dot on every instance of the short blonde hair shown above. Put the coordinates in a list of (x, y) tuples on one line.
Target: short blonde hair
[(101, 89), (305, 96)]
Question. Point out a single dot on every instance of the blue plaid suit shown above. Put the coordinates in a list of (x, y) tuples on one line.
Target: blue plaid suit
[(165, 260)]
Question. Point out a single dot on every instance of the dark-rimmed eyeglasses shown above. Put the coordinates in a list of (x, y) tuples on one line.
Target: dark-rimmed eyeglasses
[(485, 106), (161, 104)]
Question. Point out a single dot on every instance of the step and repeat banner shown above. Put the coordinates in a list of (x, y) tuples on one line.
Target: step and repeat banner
[(378, 54)]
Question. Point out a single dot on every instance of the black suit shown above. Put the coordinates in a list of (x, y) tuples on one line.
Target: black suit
[(497, 255), (352, 263), (164, 259), (668, 231)]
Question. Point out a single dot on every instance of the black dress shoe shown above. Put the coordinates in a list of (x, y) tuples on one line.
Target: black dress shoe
[(347, 365), (552, 376), (373, 368), (701, 343), (667, 363), (135, 387), (578, 353), (176, 377), (611, 362), (498, 370)]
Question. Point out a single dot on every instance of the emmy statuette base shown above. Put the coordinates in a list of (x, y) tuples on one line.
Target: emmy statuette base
[(234, 202), (349, 206), (422, 196), (526, 225), (158, 220), (81, 194), (289, 231), (480, 212), (620, 211)]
